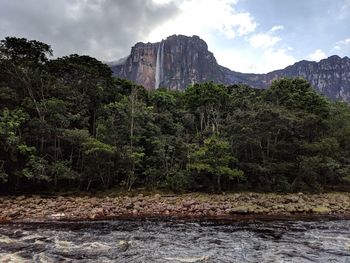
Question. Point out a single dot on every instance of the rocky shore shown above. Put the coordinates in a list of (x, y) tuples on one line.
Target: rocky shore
[(187, 206)]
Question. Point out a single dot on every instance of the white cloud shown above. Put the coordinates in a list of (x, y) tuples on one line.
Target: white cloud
[(341, 44), (317, 55), (263, 40), (220, 19), (162, 2), (235, 60), (344, 11), (248, 62), (205, 17), (344, 42), (275, 28), (266, 40), (276, 59)]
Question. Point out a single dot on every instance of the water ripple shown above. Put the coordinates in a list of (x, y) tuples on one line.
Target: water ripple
[(177, 241)]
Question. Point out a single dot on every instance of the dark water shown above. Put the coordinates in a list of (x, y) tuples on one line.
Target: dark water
[(176, 241)]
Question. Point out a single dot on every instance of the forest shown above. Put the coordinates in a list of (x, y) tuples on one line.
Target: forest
[(66, 123)]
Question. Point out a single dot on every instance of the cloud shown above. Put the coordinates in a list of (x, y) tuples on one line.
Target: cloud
[(276, 59), (105, 29), (248, 62), (344, 10), (205, 17), (276, 28), (344, 42), (266, 40), (340, 45), (263, 40), (317, 55)]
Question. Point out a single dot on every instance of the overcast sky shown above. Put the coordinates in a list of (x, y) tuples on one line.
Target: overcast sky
[(244, 35)]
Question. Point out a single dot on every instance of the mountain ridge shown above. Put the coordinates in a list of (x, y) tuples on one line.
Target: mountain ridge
[(179, 61)]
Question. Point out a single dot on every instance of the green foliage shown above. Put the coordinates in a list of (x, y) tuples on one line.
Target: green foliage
[(67, 122), (214, 159), (20, 50), (10, 121), (297, 94), (35, 169)]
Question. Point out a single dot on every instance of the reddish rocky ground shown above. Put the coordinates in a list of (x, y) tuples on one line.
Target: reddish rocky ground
[(187, 206)]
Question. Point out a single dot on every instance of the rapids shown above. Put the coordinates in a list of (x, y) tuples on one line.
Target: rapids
[(176, 241)]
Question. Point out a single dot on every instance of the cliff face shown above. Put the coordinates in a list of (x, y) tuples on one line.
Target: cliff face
[(179, 61), (330, 76), (174, 63)]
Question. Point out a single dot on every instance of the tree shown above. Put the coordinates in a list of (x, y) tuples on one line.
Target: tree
[(207, 101), (90, 78), (214, 159), (20, 51)]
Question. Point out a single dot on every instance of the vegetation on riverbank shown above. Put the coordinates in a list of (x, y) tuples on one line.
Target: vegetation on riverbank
[(66, 123)]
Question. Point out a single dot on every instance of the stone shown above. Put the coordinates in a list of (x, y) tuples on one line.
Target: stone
[(290, 208), (57, 215), (129, 205), (20, 198), (188, 203), (14, 213), (321, 210), (97, 213), (292, 199), (239, 210)]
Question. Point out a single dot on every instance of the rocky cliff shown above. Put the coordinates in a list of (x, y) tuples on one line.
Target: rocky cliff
[(330, 76), (179, 61), (174, 63)]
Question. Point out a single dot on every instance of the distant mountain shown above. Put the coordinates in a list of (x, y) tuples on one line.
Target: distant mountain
[(179, 61)]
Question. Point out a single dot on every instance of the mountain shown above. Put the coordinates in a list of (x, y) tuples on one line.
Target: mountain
[(180, 60)]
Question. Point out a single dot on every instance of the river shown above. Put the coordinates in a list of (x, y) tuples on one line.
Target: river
[(177, 241)]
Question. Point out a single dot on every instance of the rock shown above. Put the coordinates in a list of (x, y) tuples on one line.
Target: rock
[(321, 210), (179, 60), (239, 210), (93, 201), (187, 259), (97, 213), (292, 199), (289, 208), (58, 215), (14, 214), (124, 245), (157, 196), (20, 198), (188, 203), (174, 63), (129, 205)]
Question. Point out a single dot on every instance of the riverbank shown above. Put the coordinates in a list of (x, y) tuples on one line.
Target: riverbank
[(187, 206)]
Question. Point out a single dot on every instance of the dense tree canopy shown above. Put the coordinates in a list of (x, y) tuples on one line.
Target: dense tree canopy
[(67, 123)]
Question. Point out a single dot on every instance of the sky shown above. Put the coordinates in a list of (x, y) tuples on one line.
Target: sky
[(255, 36)]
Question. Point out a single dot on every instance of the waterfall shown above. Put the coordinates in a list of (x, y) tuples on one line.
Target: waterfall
[(159, 65), (161, 62)]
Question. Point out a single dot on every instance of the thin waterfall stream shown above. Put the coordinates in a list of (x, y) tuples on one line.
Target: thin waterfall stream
[(159, 64)]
